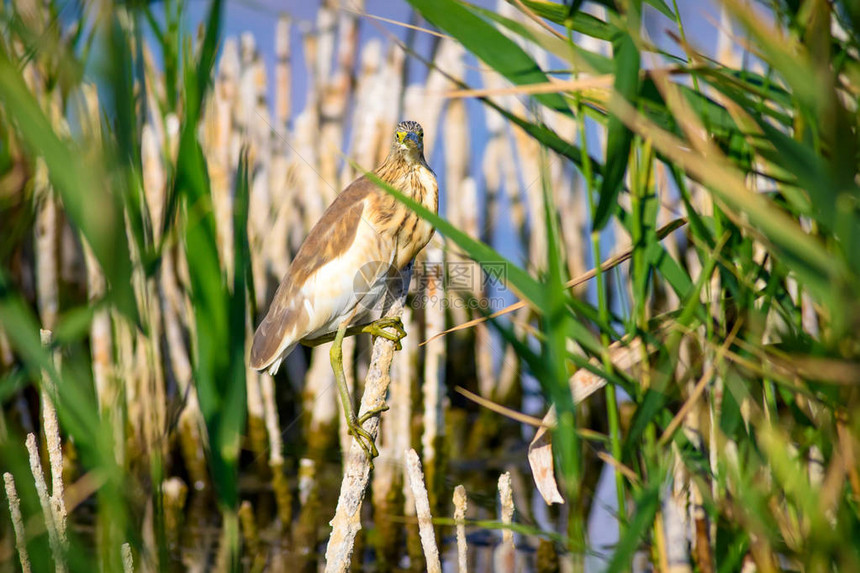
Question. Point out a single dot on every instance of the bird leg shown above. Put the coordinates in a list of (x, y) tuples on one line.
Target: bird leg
[(374, 328), (353, 424)]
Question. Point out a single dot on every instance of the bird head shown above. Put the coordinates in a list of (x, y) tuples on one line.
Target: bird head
[(409, 140)]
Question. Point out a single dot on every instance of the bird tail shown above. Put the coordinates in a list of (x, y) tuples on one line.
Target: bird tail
[(273, 363)]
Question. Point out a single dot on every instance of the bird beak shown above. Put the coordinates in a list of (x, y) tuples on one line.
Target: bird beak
[(413, 137)]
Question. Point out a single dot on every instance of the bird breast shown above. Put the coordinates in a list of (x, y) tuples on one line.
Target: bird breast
[(410, 232)]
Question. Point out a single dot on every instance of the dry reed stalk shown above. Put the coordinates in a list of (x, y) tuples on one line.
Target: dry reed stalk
[(625, 355), (455, 136), (174, 494), (304, 534), (280, 486), (151, 367), (54, 539), (254, 92), (225, 109), (387, 107), (123, 366), (336, 90), (274, 251), (154, 178), (155, 94), (17, 521), (367, 120), (101, 349), (283, 217), (283, 99), (404, 372), (460, 506), (251, 536), (255, 136), (190, 418), (504, 558), (147, 290), (46, 241), (422, 510), (448, 58), (127, 558), (395, 432), (675, 525), (256, 412), (697, 523), (502, 161), (347, 519), (314, 194), (433, 388), (491, 168), (320, 397), (53, 444)]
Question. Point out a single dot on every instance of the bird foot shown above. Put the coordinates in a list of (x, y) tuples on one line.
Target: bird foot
[(362, 436), (378, 328)]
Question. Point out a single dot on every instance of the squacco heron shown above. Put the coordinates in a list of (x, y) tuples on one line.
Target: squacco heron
[(340, 280)]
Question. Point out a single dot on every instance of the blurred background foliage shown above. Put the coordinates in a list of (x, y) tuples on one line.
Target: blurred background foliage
[(151, 197)]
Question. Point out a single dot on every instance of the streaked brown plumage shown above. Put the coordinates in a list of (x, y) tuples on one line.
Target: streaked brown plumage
[(363, 225)]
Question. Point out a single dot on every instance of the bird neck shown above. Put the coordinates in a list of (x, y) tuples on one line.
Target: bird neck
[(399, 163)]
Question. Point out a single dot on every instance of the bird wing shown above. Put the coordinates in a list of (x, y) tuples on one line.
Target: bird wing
[(318, 287)]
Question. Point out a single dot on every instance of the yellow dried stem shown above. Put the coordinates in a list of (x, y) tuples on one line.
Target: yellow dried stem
[(460, 507)]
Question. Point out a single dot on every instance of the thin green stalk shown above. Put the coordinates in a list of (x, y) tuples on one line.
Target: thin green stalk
[(683, 34), (603, 309)]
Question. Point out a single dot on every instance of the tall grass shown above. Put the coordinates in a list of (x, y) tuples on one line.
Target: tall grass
[(764, 166), (149, 203)]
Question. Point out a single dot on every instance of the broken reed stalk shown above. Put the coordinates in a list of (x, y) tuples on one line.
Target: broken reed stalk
[(505, 554), (47, 504), (17, 521), (174, 495), (460, 507), (347, 518), (53, 443), (127, 558), (251, 536), (422, 510)]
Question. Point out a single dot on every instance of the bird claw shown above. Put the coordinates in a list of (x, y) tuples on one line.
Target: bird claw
[(362, 436), (371, 412), (378, 328)]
